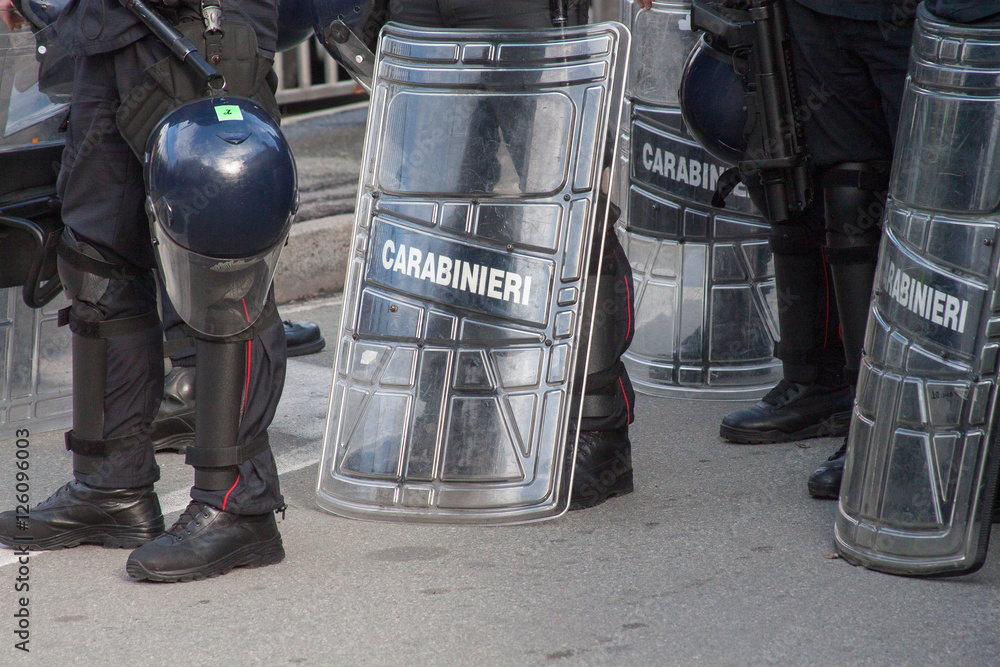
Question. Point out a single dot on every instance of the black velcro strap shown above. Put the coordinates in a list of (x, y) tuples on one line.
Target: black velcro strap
[(798, 357), (62, 317), (172, 347), (728, 180), (873, 180), (599, 405), (95, 266), (103, 447), (224, 457), (864, 254), (110, 328), (787, 240)]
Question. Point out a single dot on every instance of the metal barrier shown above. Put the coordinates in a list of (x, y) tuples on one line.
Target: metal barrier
[(306, 73)]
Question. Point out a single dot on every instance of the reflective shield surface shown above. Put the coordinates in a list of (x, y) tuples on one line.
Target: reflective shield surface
[(464, 329), (705, 302), (36, 370), (920, 475)]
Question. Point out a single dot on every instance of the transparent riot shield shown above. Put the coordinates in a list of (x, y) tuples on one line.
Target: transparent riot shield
[(36, 378), (921, 467), (35, 365), (455, 392), (705, 302)]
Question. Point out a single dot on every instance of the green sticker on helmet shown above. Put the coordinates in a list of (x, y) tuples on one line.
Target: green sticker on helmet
[(228, 112)]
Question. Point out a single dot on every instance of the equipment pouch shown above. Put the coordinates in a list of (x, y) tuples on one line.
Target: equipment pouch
[(169, 83)]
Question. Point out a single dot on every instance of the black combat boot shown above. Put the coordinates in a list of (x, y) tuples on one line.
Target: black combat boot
[(173, 428), (79, 514), (206, 542), (303, 338), (792, 411), (825, 481), (603, 468)]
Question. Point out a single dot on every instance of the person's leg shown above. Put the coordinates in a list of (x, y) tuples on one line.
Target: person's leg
[(512, 14), (229, 522), (105, 261), (604, 452), (861, 72), (812, 399), (174, 425)]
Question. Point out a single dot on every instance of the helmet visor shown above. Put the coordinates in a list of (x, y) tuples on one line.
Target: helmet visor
[(216, 297)]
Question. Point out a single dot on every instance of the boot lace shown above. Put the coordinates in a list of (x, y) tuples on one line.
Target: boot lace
[(782, 393), (187, 516), (840, 452)]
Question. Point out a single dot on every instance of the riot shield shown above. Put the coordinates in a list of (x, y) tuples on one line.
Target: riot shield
[(705, 303), (469, 297), (35, 368), (921, 467)]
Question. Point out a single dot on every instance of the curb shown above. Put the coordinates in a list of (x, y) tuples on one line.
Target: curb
[(315, 259)]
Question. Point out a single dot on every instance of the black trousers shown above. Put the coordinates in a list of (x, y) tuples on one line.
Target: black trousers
[(851, 76), (471, 13), (103, 195), (610, 399)]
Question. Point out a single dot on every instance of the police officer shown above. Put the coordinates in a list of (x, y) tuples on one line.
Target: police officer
[(851, 59), (107, 265), (608, 406), (813, 399)]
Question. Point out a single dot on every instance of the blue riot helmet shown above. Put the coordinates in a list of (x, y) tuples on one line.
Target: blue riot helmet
[(220, 194), (713, 101), (41, 13), (295, 24)]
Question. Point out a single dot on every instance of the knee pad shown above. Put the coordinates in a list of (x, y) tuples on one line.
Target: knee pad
[(795, 240), (854, 196)]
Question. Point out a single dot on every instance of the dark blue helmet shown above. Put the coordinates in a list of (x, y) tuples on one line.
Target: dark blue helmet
[(365, 18), (713, 102), (41, 13), (221, 193), (295, 23)]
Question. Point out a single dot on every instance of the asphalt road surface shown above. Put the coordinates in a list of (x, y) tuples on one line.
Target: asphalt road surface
[(719, 558)]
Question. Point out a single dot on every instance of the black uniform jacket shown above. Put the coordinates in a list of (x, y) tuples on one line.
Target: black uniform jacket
[(864, 10), (89, 27)]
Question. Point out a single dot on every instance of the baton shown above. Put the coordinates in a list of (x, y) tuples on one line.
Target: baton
[(174, 40)]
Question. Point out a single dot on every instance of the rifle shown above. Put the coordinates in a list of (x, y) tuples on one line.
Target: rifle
[(756, 33)]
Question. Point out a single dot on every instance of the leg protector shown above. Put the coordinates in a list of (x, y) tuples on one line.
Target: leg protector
[(807, 312), (117, 372), (609, 399), (854, 197), (238, 382), (222, 383)]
